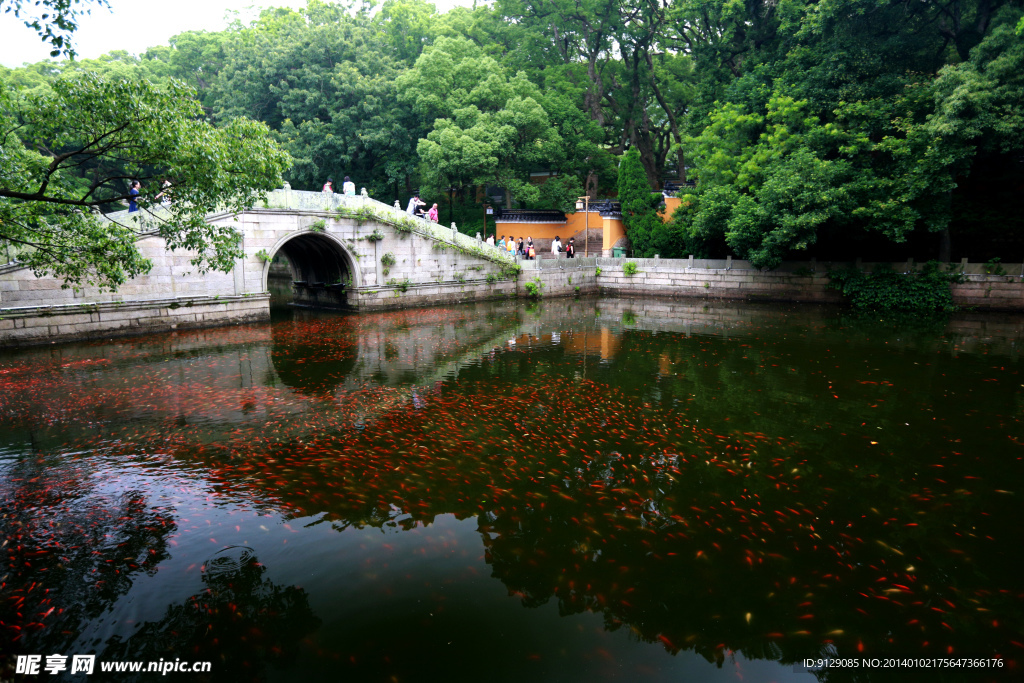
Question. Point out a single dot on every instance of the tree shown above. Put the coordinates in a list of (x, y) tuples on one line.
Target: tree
[(848, 121), (70, 151), (487, 128), (639, 206), (323, 80), (57, 22)]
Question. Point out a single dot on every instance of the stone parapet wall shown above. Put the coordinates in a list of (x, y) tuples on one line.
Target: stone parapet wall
[(172, 275), (39, 324)]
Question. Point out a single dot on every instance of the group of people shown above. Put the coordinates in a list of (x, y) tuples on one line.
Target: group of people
[(526, 250), (418, 207), (135, 189), (348, 188)]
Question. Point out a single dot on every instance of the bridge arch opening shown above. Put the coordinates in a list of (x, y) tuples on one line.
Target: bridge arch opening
[(310, 269)]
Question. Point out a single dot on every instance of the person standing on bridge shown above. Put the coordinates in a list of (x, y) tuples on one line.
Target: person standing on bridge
[(432, 214), (133, 196), (348, 188), (414, 205), (165, 193), (329, 186)]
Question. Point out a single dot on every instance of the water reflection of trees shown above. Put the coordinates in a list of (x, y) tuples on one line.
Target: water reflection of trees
[(71, 550), (241, 622)]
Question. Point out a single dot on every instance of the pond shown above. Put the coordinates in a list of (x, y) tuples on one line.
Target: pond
[(591, 489)]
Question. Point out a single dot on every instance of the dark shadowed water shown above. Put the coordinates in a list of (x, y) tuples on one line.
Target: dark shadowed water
[(588, 490)]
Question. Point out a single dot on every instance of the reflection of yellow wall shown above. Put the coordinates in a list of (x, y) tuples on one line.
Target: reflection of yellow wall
[(603, 342)]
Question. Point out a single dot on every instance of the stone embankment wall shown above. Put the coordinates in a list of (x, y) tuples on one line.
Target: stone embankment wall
[(737, 280)]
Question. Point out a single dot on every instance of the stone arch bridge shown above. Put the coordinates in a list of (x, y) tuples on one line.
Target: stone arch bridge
[(342, 252)]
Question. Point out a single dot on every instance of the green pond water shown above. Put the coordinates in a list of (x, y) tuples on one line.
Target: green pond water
[(570, 490)]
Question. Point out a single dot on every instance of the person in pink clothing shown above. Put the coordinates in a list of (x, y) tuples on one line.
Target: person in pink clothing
[(432, 214)]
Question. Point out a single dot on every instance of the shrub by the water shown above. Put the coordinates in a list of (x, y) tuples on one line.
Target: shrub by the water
[(921, 290)]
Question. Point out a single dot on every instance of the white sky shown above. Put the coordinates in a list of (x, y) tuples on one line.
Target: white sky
[(135, 25)]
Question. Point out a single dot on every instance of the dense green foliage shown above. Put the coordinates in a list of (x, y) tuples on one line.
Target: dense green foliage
[(71, 149), (855, 117), (809, 128), (640, 216), (921, 290)]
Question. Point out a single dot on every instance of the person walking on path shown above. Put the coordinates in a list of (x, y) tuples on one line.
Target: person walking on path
[(556, 246), (570, 249), (348, 188), (521, 247), (531, 253), (328, 186)]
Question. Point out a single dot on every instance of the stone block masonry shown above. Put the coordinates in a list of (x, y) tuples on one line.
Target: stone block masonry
[(712, 279), (45, 324)]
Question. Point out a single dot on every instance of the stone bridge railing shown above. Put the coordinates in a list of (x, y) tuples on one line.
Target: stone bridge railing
[(365, 208)]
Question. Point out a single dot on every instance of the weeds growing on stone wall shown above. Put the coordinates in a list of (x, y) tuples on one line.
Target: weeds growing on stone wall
[(400, 285), (629, 269), (262, 255), (375, 236), (921, 290), (597, 271), (365, 213), (534, 287), (994, 267), (387, 260), (318, 225)]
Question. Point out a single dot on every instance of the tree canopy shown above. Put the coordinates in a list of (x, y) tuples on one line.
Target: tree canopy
[(70, 151), (809, 128)]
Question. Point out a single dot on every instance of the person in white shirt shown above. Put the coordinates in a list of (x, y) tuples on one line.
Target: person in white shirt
[(490, 240), (348, 188), (556, 246)]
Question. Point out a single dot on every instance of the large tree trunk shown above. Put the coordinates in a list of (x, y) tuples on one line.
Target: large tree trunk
[(945, 246)]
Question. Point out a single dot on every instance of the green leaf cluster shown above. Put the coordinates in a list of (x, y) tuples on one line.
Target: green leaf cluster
[(71, 149), (920, 290)]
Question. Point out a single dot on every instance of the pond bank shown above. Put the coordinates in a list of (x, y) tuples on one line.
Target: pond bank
[(728, 279), (721, 279)]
